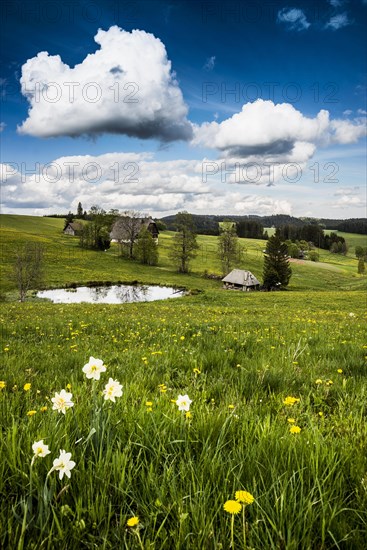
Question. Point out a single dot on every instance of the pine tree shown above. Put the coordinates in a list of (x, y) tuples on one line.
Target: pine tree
[(277, 271), (79, 211)]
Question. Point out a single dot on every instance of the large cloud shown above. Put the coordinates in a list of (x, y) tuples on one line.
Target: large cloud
[(125, 87), (277, 131)]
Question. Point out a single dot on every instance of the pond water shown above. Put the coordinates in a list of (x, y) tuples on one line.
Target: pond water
[(117, 294)]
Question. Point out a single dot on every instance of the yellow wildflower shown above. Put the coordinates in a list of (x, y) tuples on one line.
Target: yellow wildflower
[(294, 429), (291, 420), (232, 507), (132, 522), (31, 413), (244, 497), (290, 400), (2, 384), (27, 386)]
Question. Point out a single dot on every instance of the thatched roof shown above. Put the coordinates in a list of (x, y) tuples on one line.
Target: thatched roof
[(125, 227), (241, 277), (77, 226)]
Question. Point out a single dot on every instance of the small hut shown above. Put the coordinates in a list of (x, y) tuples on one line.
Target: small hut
[(238, 279)]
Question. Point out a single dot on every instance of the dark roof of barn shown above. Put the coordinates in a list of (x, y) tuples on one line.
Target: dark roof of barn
[(77, 226)]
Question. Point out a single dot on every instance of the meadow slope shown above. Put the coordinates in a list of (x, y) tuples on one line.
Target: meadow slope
[(279, 405)]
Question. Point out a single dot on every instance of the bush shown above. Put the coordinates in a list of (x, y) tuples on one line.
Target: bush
[(313, 256)]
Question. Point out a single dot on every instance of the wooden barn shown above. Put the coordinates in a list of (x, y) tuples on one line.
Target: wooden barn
[(125, 226), (238, 279), (73, 228)]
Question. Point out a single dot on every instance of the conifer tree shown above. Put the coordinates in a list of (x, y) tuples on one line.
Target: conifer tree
[(277, 271)]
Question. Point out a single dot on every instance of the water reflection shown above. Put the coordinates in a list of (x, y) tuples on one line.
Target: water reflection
[(117, 294)]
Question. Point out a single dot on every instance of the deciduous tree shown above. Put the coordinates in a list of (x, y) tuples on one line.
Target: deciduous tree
[(27, 268), (229, 249), (184, 245)]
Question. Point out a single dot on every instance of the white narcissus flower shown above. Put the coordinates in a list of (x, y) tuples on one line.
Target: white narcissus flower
[(112, 389), (183, 402), (94, 368), (63, 464), (62, 401), (40, 449)]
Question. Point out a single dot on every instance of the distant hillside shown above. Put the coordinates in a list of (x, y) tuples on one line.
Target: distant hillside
[(208, 224)]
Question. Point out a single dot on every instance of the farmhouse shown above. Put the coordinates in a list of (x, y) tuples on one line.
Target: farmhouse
[(238, 279), (73, 228), (125, 228)]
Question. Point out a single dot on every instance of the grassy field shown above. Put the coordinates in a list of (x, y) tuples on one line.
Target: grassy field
[(279, 405), (67, 263)]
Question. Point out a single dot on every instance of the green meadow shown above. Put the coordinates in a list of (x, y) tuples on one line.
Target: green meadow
[(279, 404)]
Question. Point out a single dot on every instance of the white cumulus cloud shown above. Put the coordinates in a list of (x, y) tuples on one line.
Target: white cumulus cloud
[(125, 87), (276, 132)]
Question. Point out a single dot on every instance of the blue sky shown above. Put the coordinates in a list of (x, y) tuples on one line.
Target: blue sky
[(243, 107)]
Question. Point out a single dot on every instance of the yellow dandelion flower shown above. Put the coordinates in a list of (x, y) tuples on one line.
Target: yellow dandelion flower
[(290, 400), (244, 497), (43, 409), (148, 403), (321, 413), (188, 414), (132, 522), (329, 382), (340, 371), (182, 338), (291, 420), (2, 384), (231, 406), (318, 381), (232, 507), (27, 386), (294, 429), (31, 413), (68, 386), (197, 371)]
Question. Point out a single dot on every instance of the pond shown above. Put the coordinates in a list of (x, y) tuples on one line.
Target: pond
[(116, 294)]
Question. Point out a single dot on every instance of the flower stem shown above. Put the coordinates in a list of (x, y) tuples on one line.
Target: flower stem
[(244, 527), (232, 531), (139, 539)]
